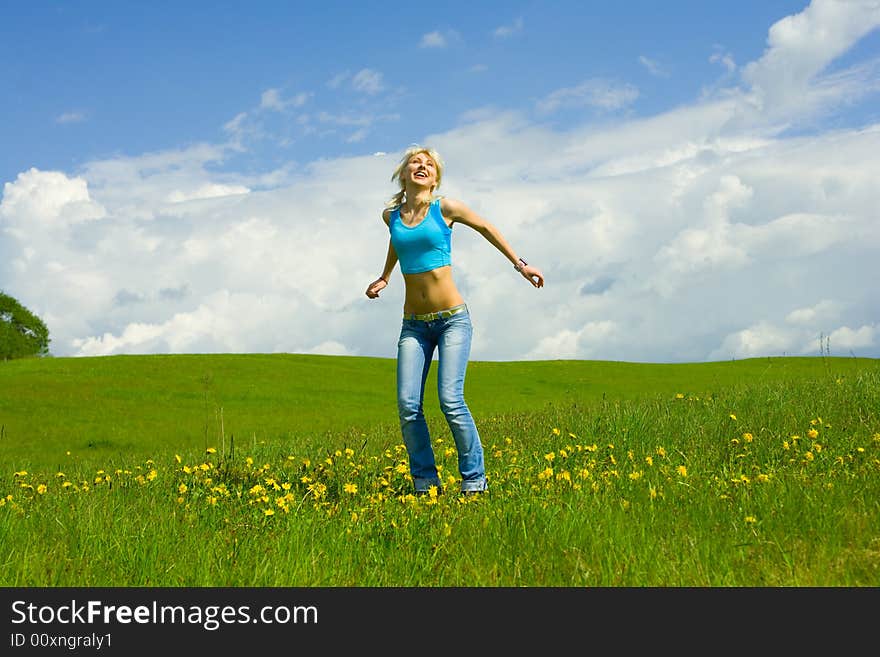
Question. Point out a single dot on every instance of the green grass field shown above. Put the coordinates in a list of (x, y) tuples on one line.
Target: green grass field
[(288, 470)]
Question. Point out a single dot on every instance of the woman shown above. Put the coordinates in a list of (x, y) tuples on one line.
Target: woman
[(434, 314)]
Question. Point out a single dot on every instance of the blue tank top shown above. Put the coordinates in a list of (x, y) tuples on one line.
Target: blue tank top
[(422, 247)]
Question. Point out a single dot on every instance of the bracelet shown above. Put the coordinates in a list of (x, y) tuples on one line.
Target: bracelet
[(382, 278), (522, 263)]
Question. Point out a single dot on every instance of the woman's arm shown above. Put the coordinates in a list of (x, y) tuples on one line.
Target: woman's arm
[(461, 213), (390, 262)]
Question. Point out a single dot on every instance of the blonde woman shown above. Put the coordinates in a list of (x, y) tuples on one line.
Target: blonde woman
[(434, 314)]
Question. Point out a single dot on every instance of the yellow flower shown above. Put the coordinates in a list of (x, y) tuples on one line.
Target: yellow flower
[(679, 395), (20, 473), (732, 416), (748, 437), (550, 456), (555, 431), (649, 460), (211, 450), (349, 452), (652, 492), (812, 433), (682, 470), (41, 489), (751, 520), (661, 451), (432, 492), (269, 512), (177, 458), (350, 488)]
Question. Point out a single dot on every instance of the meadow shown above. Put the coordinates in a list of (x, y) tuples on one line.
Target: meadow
[(288, 470)]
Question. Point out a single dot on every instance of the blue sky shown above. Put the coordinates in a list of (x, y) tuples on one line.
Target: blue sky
[(670, 166), (97, 79)]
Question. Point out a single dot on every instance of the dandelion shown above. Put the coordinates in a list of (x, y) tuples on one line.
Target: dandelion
[(556, 431), (351, 489), (41, 489), (733, 417), (812, 433), (177, 458), (652, 492), (349, 452), (649, 460), (750, 520), (269, 512), (679, 395), (809, 456), (550, 456), (748, 437), (661, 452), (682, 470), (20, 473), (432, 492)]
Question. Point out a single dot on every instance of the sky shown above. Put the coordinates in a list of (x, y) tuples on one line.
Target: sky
[(697, 181)]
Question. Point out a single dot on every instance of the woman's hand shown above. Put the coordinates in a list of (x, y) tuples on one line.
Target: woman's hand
[(375, 287), (534, 275)]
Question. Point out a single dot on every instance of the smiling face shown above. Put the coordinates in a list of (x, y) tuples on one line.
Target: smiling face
[(421, 170)]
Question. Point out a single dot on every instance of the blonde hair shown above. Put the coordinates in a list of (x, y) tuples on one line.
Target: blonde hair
[(397, 200)]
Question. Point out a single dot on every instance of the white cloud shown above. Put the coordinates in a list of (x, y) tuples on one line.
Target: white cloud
[(47, 198), (598, 93), (786, 83), (506, 31), (70, 117), (653, 67), (433, 40), (823, 311), (368, 81)]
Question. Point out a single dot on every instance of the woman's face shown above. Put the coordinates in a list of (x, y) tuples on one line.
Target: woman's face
[(421, 170)]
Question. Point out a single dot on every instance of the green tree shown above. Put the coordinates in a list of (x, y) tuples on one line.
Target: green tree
[(22, 333)]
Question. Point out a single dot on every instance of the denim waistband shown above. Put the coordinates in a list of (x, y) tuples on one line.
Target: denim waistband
[(440, 314)]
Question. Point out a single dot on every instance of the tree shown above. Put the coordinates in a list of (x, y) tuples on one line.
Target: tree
[(22, 333)]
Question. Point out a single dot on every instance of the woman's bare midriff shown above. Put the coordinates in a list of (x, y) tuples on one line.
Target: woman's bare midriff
[(430, 291)]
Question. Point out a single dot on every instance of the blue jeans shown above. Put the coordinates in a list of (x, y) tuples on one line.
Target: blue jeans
[(451, 336)]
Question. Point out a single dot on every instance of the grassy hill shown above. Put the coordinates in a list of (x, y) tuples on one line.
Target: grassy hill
[(137, 406)]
